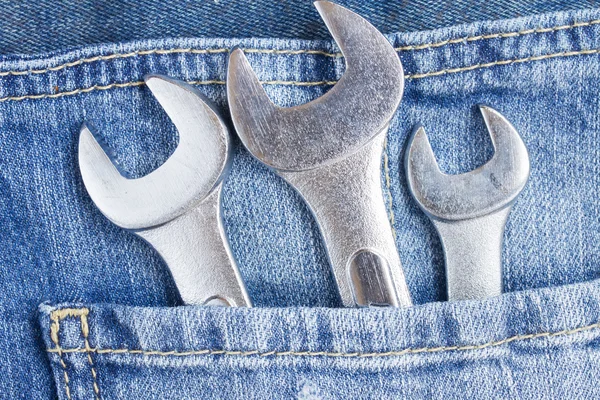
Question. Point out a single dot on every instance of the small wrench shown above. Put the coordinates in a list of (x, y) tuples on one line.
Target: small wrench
[(177, 207), (330, 151), (470, 210)]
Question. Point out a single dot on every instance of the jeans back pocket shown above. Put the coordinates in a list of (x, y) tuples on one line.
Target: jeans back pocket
[(532, 344)]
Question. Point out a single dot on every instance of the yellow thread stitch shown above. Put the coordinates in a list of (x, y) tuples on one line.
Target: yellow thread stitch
[(71, 92), (294, 52), (56, 316), (284, 83), (504, 62), (85, 330), (496, 343), (315, 83), (140, 83), (498, 35), (112, 57), (82, 313), (63, 313)]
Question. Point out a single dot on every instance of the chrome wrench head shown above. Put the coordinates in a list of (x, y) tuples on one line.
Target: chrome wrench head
[(330, 151), (176, 208), (470, 210), (488, 188), (359, 106), (198, 164)]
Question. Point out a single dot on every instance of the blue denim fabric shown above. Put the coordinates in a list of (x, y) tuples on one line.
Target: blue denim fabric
[(542, 73), (510, 347), (34, 26)]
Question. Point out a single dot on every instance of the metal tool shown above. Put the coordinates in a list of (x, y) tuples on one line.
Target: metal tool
[(177, 207), (470, 210), (330, 151)]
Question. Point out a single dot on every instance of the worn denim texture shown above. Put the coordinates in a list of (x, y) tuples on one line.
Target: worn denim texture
[(112, 336), (35, 26), (524, 345)]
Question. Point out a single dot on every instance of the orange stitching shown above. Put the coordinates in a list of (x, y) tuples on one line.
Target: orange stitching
[(440, 349), (295, 52)]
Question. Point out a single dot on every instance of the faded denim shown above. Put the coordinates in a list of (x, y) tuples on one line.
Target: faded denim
[(108, 327), (36, 26)]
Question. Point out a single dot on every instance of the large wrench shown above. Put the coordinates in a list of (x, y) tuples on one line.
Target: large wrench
[(177, 207), (330, 151), (470, 210)]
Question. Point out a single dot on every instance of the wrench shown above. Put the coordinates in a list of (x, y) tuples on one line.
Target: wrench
[(330, 151), (470, 210), (177, 207)]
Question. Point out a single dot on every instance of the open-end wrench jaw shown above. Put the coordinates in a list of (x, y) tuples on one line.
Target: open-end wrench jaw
[(359, 106), (490, 187), (177, 207), (470, 210), (330, 151), (194, 169)]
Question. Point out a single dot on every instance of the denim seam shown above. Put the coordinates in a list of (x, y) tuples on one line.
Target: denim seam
[(466, 39), (308, 83), (504, 62), (85, 331), (440, 349), (54, 328), (58, 315), (499, 35)]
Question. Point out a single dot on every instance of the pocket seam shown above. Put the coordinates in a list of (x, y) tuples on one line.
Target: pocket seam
[(83, 312), (56, 317)]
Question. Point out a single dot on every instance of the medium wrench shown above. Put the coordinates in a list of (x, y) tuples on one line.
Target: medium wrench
[(470, 210), (177, 207), (330, 151)]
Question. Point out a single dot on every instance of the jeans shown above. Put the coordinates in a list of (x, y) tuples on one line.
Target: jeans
[(31, 27), (110, 325)]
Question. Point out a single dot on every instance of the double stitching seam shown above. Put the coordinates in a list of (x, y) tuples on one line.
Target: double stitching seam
[(466, 39), (505, 62), (314, 83), (440, 349), (113, 57), (85, 331), (58, 315), (499, 35), (318, 83), (54, 328)]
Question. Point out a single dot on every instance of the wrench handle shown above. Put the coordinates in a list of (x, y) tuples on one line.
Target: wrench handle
[(347, 201), (195, 248), (473, 254)]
